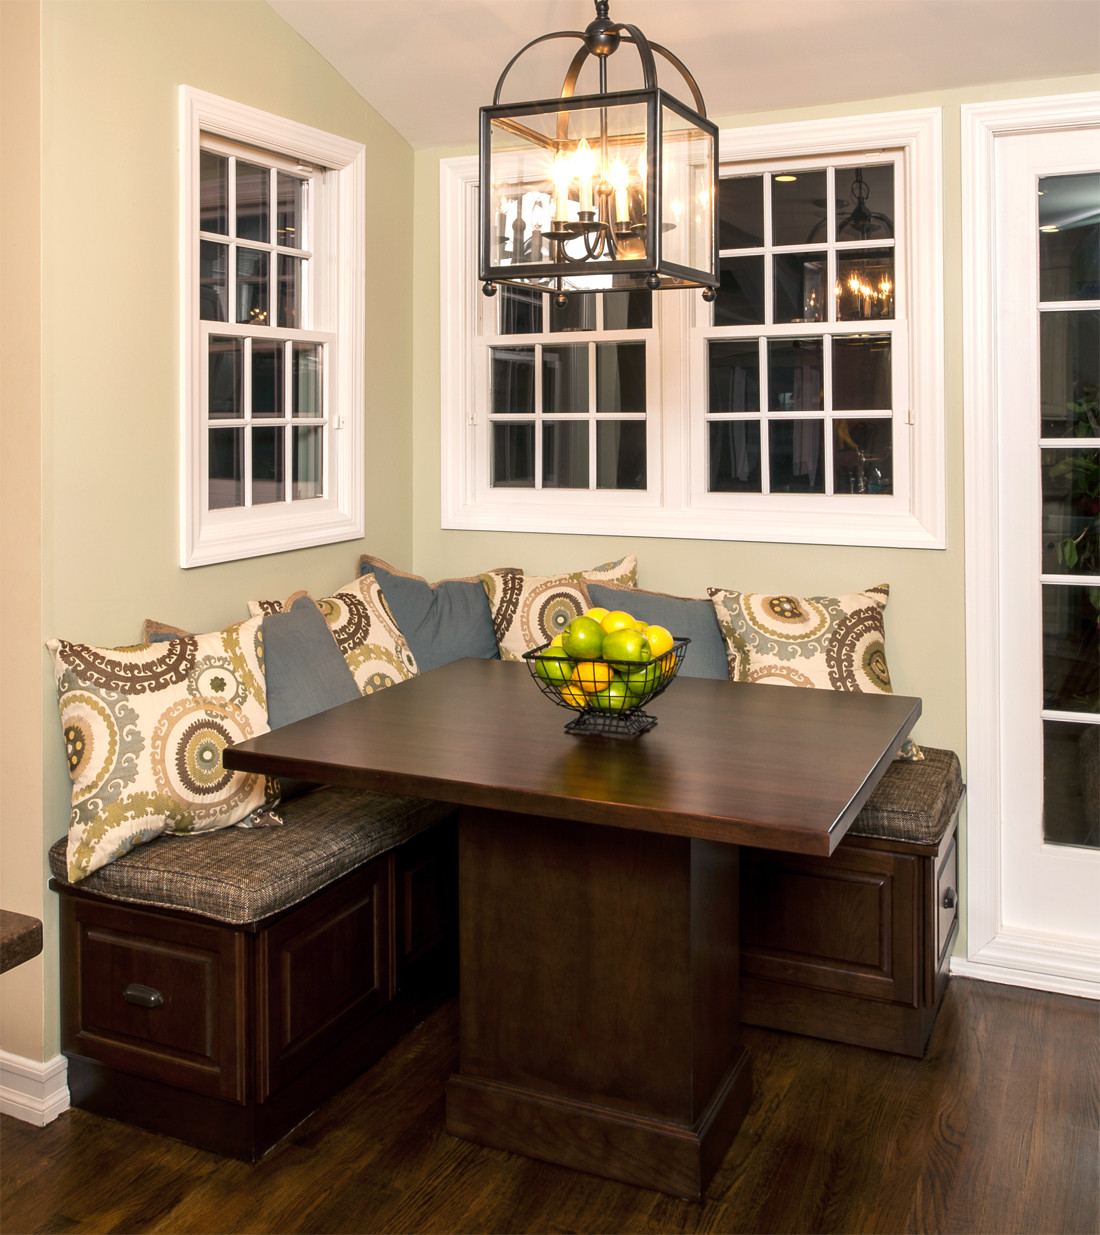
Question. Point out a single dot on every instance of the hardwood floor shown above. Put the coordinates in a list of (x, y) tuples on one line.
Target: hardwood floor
[(996, 1130)]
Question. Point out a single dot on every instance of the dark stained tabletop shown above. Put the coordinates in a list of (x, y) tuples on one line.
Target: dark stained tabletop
[(770, 766)]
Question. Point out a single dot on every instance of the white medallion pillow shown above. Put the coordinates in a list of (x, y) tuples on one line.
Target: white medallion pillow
[(529, 610), (144, 731)]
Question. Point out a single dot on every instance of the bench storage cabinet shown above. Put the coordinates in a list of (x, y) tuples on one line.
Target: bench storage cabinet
[(218, 988), (855, 947)]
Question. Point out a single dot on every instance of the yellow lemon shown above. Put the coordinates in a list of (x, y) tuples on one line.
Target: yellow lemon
[(659, 639), (597, 613), (616, 620), (574, 695), (556, 641)]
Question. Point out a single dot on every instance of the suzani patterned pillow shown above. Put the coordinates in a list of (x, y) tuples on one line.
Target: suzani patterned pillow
[(376, 651), (144, 732), (828, 642), (529, 610)]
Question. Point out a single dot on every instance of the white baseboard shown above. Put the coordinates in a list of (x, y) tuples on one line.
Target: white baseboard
[(32, 1091), (1043, 962)]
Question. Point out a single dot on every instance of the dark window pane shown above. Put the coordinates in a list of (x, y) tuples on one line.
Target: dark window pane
[(733, 456), (308, 371), (513, 380), (267, 466), (565, 454), (226, 468), (798, 207), (520, 310), (225, 375), (513, 455), (1069, 369), (865, 202), (733, 375), (213, 281), (800, 287), (252, 287), (620, 377), (741, 212), (1071, 520), (1071, 804), (290, 214), (865, 285), (796, 456), (253, 187), (213, 192), (1071, 650), (795, 382), (565, 378), (578, 312), (862, 379), (290, 291), (627, 310), (307, 475), (267, 379), (620, 454), (740, 299), (863, 456), (1070, 255)]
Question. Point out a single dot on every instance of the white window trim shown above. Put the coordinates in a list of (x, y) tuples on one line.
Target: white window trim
[(667, 509), (224, 536)]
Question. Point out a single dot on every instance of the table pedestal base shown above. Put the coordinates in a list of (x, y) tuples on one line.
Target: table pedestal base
[(599, 1010)]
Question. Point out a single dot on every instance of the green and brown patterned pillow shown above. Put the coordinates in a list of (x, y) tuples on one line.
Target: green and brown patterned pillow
[(529, 610), (828, 642), (144, 731), (376, 651)]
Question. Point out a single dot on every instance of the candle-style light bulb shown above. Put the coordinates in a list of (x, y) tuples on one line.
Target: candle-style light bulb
[(584, 168), (561, 173), (618, 177)]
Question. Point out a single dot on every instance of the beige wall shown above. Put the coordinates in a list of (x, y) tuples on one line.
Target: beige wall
[(109, 417), (925, 616)]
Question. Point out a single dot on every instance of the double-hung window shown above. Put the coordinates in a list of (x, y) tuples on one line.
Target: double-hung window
[(804, 405), (272, 291)]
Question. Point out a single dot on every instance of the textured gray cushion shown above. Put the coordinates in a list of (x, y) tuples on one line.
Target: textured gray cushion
[(243, 875), (913, 801), (442, 621), (706, 654)]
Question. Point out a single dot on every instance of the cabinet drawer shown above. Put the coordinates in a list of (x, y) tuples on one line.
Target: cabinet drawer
[(156, 997)]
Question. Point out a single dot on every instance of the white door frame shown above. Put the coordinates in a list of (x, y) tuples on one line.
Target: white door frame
[(1047, 962)]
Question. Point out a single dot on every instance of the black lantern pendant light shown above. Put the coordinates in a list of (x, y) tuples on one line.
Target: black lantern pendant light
[(612, 191)]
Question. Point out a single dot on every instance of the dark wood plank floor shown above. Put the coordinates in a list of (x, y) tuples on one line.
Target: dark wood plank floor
[(997, 1130)]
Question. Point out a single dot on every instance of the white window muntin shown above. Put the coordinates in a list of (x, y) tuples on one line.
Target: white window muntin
[(336, 304)]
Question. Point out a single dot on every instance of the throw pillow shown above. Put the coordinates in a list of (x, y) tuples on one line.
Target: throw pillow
[(144, 732), (705, 656), (306, 673), (529, 610), (827, 642), (376, 651), (442, 621)]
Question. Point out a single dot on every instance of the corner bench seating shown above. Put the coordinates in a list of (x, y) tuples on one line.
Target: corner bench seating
[(219, 988)]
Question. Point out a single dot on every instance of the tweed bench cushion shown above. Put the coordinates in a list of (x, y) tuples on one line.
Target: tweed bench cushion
[(240, 876), (913, 801)]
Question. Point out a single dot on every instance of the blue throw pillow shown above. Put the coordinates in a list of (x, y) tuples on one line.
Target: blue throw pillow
[(706, 654), (306, 671), (441, 621)]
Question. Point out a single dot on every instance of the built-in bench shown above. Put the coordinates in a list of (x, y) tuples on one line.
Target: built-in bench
[(855, 947), (220, 987)]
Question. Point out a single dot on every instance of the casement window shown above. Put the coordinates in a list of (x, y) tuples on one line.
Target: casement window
[(272, 287), (804, 405)]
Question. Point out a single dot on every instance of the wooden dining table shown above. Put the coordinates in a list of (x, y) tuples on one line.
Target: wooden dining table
[(598, 890)]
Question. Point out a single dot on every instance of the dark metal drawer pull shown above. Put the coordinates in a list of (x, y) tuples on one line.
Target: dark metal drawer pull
[(949, 899), (143, 996)]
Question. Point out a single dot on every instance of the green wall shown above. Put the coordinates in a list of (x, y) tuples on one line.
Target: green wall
[(110, 73)]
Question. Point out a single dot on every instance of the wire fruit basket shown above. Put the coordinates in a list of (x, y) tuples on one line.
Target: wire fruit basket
[(610, 712)]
